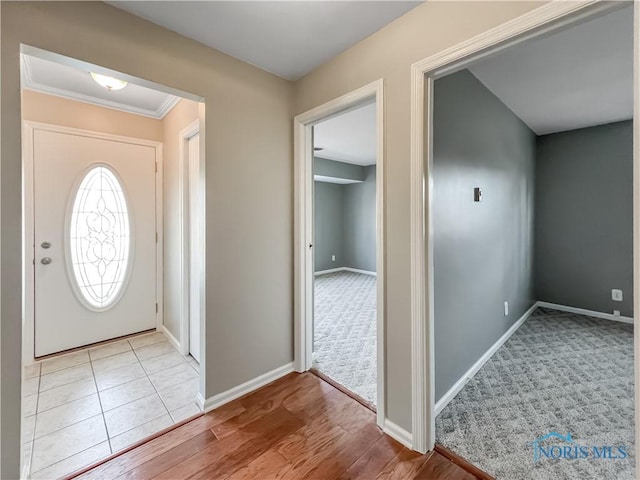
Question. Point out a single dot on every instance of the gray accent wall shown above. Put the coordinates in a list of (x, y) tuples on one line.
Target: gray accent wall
[(360, 222), (345, 223), (335, 169), (328, 225), (584, 218), (483, 251)]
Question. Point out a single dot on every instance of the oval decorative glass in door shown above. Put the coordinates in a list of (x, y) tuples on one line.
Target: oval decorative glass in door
[(100, 239)]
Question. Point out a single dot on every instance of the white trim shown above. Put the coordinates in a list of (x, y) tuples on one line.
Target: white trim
[(160, 236), (28, 128), (345, 269), (636, 210), (203, 271), (247, 387), (171, 339), (357, 270), (303, 227), (166, 106), (29, 84), (201, 401), (331, 270), (551, 16), (86, 66), (582, 311), (398, 433), (183, 243), (89, 133), (336, 180), (453, 391), (28, 247)]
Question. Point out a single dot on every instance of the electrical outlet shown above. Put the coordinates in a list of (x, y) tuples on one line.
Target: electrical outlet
[(506, 308), (616, 313), (616, 295), (333, 258)]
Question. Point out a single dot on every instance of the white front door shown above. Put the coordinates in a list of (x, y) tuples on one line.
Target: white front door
[(94, 239), (195, 246)]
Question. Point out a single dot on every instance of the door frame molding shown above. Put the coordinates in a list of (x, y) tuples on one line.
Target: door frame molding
[(185, 231), (545, 19), (28, 248), (303, 228)]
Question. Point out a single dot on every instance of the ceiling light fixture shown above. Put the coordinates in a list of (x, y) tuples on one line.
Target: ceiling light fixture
[(109, 83)]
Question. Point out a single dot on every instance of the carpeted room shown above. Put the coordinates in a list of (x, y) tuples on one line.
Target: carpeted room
[(533, 272), (345, 250)]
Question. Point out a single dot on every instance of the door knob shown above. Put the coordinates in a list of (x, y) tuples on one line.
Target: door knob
[(45, 261), (45, 244)]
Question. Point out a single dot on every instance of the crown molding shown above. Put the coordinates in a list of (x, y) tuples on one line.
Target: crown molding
[(29, 84)]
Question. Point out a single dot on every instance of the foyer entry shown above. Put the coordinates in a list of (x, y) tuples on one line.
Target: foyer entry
[(94, 231)]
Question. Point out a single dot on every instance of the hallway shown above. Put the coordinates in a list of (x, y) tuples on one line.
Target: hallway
[(298, 427)]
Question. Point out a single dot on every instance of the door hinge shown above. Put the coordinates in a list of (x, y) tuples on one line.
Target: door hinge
[(156, 308)]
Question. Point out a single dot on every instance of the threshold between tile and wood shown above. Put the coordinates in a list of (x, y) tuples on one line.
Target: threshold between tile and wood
[(297, 427)]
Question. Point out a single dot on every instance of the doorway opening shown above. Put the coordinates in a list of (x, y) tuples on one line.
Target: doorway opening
[(321, 275), (103, 360), (514, 284), (344, 252)]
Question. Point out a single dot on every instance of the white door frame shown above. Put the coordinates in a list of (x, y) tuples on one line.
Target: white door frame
[(540, 21), (28, 129), (185, 231), (303, 213)]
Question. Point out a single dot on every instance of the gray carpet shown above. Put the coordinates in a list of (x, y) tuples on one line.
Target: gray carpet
[(344, 346), (559, 372)]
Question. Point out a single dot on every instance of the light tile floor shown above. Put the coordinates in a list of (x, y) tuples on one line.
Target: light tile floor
[(81, 407)]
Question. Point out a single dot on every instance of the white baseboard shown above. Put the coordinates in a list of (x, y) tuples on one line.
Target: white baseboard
[(355, 270), (344, 269), (331, 270), (172, 340), (398, 433), (453, 391), (247, 387), (582, 311)]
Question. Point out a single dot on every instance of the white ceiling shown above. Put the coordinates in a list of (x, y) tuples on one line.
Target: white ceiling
[(287, 38), (576, 78), (339, 181), (349, 137), (54, 78)]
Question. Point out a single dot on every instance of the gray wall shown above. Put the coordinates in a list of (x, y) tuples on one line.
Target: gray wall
[(333, 168), (483, 251), (584, 218), (328, 234), (360, 222), (345, 223)]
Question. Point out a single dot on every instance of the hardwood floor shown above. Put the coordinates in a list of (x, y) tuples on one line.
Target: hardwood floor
[(298, 427)]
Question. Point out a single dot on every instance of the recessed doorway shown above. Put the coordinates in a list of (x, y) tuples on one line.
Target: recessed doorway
[(103, 363)]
